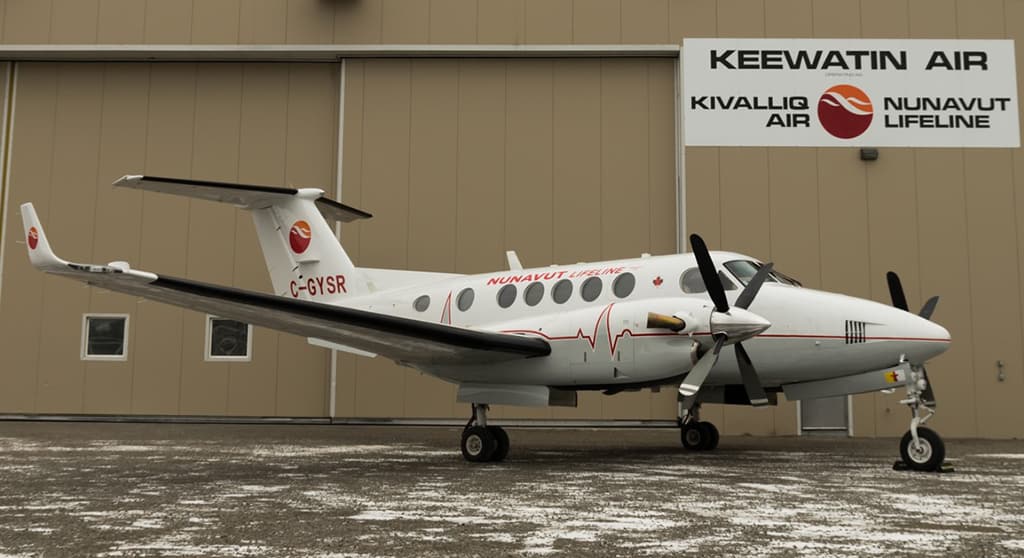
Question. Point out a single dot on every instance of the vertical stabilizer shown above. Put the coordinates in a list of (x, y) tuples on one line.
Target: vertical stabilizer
[(303, 256)]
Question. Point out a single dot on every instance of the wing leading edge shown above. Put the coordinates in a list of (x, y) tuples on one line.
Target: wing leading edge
[(396, 338)]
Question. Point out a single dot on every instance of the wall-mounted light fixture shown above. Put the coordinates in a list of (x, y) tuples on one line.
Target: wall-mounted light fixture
[(868, 153)]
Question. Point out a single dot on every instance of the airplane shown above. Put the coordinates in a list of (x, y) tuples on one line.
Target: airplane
[(537, 336)]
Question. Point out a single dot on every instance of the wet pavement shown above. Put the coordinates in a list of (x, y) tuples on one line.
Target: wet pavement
[(108, 489)]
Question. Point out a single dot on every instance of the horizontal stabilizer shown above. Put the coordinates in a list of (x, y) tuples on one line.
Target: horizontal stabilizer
[(248, 196)]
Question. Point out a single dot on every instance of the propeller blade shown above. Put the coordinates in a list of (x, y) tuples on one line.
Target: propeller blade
[(700, 371), (709, 273), (928, 395), (751, 382), (929, 308), (899, 300), (750, 291)]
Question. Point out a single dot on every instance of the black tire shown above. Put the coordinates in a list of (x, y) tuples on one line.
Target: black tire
[(502, 443), (929, 454), (712, 432), (478, 444), (693, 436)]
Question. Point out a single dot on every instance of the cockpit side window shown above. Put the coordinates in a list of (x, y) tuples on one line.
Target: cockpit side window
[(727, 283), (744, 270), (692, 282)]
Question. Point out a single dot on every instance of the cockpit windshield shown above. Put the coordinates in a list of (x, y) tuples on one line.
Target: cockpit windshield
[(744, 270)]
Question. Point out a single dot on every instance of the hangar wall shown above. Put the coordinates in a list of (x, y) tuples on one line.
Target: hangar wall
[(948, 220), (80, 126)]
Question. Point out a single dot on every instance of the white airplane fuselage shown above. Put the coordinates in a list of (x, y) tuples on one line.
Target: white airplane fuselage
[(605, 342)]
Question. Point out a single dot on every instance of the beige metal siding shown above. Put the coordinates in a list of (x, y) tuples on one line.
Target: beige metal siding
[(472, 147), (462, 160), (80, 126)]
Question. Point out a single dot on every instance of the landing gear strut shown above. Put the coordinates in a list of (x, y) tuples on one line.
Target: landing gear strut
[(481, 442), (921, 448), (696, 435)]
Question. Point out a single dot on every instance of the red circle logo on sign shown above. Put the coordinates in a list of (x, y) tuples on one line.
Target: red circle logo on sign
[(33, 237), (300, 236), (845, 111)]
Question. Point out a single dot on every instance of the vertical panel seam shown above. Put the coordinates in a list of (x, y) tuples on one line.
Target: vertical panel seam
[(95, 217), (5, 172), (49, 206), (1016, 214), (188, 226)]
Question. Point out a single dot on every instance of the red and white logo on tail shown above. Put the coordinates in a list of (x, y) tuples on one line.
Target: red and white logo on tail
[(33, 237), (299, 236)]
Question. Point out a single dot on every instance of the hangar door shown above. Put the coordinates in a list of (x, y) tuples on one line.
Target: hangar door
[(79, 126), (461, 160)]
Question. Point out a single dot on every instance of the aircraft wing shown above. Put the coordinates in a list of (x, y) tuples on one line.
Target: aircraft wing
[(400, 339)]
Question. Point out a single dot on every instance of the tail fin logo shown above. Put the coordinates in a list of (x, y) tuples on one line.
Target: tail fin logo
[(845, 111), (299, 237), (33, 238)]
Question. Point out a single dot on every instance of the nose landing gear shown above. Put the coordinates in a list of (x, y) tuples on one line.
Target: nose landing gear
[(483, 443), (921, 449)]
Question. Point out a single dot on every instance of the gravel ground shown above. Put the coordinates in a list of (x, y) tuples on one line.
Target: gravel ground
[(95, 489)]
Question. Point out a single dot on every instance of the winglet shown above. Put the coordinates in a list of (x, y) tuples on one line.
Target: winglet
[(39, 251)]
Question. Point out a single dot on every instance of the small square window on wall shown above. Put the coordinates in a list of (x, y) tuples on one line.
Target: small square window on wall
[(228, 339), (105, 337)]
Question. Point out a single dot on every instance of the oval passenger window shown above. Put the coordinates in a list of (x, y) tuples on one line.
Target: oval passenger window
[(591, 289), (534, 293), (623, 285), (506, 296), (421, 303), (562, 291), (465, 299)]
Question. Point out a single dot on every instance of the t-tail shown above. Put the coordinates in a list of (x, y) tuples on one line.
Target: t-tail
[(294, 226)]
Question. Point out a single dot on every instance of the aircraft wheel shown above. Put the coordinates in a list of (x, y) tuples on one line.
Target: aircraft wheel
[(694, 436), (927, 454), (502, 443), (478, 444), (712, 431)]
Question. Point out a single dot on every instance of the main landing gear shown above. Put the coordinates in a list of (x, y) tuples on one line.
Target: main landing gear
[(921, 449), (480, 442), (696, 435)]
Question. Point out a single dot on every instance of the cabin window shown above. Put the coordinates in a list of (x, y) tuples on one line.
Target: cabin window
[(591, 289), (105, 337), (623, 285), (465, 299), (421, 303), (691, 282), (227, 339), (534, 293), (562, 291), (506, 296)]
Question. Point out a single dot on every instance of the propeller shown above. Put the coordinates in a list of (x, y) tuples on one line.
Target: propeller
[(899, 300), (728, 324)]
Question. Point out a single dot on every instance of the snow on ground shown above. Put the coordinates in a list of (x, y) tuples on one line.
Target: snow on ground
[(336, 495)]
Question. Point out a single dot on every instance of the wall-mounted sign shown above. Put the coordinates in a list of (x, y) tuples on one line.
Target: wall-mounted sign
[(862, 92)]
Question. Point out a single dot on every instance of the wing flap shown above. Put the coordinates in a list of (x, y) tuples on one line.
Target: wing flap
[(400, 339)]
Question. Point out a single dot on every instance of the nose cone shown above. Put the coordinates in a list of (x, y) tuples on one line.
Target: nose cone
[(922, 339)]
